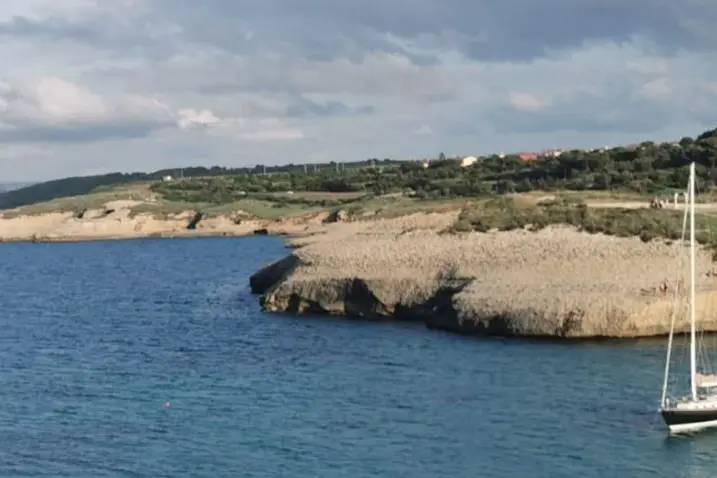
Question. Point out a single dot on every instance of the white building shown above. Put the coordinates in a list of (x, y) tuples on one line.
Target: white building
[(468, 161)]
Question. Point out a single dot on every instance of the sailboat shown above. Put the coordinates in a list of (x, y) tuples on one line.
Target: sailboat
[(697, 410)]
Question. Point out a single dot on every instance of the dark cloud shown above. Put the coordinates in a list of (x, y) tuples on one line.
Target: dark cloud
[(131, 36), (88, 133), (305, 107), (497, 30)]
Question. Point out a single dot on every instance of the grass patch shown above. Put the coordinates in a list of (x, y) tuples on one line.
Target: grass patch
[(76, 204), (388, 207), (264, 209), (162, 210), (310, 196), (403, 207), (505, 214), (242, 209), (593, 195)]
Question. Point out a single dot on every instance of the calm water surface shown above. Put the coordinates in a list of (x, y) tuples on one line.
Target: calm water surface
[(96, 338)]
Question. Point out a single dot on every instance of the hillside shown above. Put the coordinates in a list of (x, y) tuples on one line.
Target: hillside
[(76, 186), (567, 264), (134, 210), (520, 265), (647, 168), (219, 201)]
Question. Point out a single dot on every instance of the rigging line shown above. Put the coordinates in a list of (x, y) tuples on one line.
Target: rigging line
[(674, 314), (705, 349)]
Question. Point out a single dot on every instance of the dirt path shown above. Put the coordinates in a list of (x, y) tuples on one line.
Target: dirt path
[(708, 207)]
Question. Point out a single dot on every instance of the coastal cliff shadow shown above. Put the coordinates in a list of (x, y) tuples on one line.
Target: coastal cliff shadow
[(322, 322), (355, 299), (498, 329), (195, 220), (297, 308), (523, 340), (315, 313), (504, 334)]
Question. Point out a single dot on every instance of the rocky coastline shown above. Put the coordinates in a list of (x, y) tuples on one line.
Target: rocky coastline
[(554, 283), (117, 220)]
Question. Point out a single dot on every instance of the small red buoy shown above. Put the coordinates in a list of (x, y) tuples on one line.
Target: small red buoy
[(167, 405)]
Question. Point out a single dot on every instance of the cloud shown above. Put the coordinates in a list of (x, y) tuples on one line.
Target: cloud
[(267, 129), (656, 89), (147, 84), (52, 109), (525, 101), (304, 107), (494, 30)]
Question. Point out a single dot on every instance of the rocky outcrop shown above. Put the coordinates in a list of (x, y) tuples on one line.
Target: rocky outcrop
[(372, 298), (124, 219), (273, 274), (556, 283)]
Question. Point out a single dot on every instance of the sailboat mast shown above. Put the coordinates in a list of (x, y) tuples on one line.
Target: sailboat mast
[(693, 347)]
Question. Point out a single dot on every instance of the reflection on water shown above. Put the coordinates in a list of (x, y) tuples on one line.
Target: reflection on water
[(694, 454)]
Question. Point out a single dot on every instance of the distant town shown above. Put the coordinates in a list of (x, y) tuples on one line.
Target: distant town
[(546, 153)]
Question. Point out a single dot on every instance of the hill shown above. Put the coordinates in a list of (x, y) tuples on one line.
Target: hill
[(485, 248), (76, 186), (371, 189), (647, 168)]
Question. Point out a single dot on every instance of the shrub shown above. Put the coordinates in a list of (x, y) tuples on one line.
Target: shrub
[(506, 214)]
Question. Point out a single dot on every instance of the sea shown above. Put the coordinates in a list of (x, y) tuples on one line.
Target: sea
[(151, 358)]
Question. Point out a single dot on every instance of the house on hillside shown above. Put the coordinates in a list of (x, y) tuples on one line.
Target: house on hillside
[(167, 179), (468, 161), (552, 153), (528, 156)]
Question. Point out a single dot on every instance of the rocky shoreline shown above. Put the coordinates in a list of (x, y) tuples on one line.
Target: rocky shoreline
[(555, 283), (117, 221)]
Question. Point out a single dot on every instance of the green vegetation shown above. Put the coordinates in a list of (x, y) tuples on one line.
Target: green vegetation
[(261, 206), (63, 188), (238, 210), (77, 186), (509, 213), (648, 168), (80, 203)]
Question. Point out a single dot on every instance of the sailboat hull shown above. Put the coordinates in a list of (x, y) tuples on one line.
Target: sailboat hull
[(686, 420)]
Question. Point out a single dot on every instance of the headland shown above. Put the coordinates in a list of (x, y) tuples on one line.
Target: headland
[(581, 245)]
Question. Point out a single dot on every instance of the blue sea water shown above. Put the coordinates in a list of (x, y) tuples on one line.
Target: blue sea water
[(151, 359)]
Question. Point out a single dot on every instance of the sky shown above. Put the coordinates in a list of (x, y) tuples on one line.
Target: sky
[(94, 86)]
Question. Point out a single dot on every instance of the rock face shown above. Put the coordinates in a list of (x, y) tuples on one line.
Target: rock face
[(553, 283), (118, 220)]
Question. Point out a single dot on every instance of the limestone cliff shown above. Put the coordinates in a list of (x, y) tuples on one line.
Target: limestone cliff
[(554, 283), (124, 219)]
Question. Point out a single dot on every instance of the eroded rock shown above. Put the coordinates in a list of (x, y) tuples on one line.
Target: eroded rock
[(553, 283)]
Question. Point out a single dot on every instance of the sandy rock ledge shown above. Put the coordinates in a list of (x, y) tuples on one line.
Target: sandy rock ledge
[(116, 220), (553, 283)]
